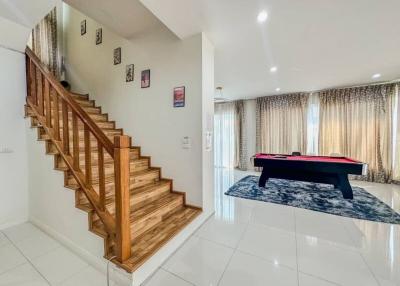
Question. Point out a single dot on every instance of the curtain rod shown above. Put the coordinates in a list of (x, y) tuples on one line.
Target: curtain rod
[(360, 85), (325, 89)]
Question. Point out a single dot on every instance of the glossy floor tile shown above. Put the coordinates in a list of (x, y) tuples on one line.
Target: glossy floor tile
[(59, 265), (23, 275), (227, 233), (277, 246), (87, 277), (37, 245), (10, 257), (200, 261), (165, 278), (246, 269), (331, 263), (245, 243)]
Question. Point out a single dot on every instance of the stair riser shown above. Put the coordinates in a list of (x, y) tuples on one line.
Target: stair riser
[(141, 199), (137, 200), (101, 124), (135, 181), (86, 107), (140, 226)]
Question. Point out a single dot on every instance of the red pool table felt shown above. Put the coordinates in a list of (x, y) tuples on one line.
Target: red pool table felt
[(307, 158)]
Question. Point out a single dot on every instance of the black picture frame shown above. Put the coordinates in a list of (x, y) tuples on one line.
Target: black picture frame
[(117, 56), (145, 79), (130, 73), (83, 27), (179, 96), (99, 36)]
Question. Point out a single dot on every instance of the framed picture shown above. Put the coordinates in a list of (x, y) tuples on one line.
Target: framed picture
[(130, 73), (83, 27), (99, 36), (145, 79), (117, 56), (179, 96)]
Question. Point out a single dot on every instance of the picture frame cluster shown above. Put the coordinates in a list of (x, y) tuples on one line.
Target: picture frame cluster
[(178, 92)]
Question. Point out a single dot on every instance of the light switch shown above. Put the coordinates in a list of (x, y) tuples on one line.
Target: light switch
[(6, 150), (209, 141), (186, 142)]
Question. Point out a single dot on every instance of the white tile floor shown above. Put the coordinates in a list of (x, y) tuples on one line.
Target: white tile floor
[(244, 243)]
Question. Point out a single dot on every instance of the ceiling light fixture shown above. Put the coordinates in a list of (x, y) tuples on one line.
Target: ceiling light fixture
[(262, 16), (278, 89), (377, 75), (273, 69)]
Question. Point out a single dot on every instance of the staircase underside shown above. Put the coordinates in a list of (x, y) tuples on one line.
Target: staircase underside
[(158, 212)]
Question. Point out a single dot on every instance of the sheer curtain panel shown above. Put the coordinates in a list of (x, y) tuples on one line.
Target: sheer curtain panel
[(357, 122), (241, 158), (224, 139), (282, 123), (43, 42)]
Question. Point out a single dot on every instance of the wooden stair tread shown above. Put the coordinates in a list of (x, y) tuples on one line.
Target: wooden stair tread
[(152, 240)]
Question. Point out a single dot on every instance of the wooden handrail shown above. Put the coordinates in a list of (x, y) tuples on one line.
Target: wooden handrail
[(46, 96), (65, 95)]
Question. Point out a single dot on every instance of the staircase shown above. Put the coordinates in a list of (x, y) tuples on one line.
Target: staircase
[(129, 204)]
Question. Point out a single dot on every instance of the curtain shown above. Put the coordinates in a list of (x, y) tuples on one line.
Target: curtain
[(240, 136), (312, 124), (282, 123), (43, 42), (224, 139), (396, 137), (357, 122)]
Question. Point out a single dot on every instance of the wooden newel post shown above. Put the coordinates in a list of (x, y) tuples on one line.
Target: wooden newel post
[(122, 201)]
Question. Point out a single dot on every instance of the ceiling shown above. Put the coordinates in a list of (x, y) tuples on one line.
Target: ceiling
[(25, 12), (314, 44), (127, 18)]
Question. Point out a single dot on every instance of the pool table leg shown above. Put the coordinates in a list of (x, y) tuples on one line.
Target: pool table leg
[(345, 187), (263, 178)]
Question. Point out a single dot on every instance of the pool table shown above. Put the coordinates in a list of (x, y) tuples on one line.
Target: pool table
[(318, 169)]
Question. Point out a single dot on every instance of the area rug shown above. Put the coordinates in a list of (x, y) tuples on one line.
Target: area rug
[(317, 197)]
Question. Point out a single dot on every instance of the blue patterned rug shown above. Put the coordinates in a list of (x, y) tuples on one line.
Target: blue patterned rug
[(317, 197)]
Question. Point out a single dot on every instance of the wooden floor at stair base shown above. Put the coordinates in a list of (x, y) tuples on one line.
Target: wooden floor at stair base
[(146, 245)]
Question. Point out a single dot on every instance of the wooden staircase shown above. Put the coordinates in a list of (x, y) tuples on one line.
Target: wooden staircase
[(129, 204)]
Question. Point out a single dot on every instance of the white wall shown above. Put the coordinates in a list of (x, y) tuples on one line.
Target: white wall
[(148, 114), (208, 124), (16, 20), (13, 171)]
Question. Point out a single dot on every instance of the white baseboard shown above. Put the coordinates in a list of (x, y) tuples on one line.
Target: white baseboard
[(117, 275), (13, 223)]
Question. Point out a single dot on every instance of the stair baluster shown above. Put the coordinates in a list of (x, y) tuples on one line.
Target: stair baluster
[(44, 96)]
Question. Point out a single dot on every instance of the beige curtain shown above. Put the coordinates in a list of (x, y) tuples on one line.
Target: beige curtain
[(43, 42), (241, 159), (281, 123), (357, 122), (396, 163)]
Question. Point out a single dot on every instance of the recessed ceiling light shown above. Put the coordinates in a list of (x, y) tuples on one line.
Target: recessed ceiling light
[(377, 75), (262, 16), (278, 89), (273, 69)]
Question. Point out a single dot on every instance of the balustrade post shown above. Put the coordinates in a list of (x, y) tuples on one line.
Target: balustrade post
[(28, 76), (122, 197)]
